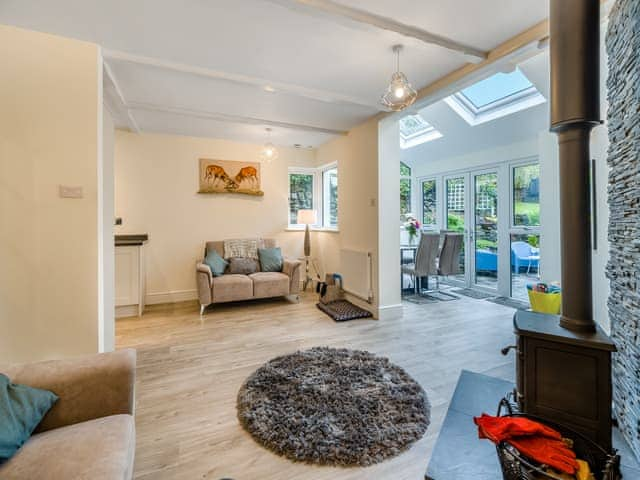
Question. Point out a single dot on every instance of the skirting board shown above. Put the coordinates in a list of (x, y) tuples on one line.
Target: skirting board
[(127, 311), (389, 312), (171, 297)]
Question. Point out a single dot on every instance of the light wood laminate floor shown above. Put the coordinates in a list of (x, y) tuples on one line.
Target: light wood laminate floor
[(190, 368)]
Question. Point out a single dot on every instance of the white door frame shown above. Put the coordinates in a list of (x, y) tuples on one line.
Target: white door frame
[(504, 171)]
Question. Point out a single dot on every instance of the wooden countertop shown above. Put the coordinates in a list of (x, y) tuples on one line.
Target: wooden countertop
[(129, 240)]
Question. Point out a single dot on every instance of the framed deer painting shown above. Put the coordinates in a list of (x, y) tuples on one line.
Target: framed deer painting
[(227, 176)]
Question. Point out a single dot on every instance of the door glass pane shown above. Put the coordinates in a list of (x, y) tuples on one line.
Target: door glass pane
[(486, 229), (525, 263), (429, 202), (455, 214), (526, 195), (300, 194)]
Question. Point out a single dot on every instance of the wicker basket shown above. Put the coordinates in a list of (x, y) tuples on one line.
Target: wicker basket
[(604, 465)]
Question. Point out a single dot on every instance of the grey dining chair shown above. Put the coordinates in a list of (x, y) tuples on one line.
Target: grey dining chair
[(449, 260), (425, 263)]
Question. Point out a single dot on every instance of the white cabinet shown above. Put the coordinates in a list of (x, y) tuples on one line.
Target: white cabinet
[(130, 280)]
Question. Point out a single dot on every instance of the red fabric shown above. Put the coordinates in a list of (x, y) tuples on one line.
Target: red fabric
[(554, 453), (498, 429)]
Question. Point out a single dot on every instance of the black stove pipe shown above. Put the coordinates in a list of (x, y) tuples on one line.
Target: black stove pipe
[(575, 110)]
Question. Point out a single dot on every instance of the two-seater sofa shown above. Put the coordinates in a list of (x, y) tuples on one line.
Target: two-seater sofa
[(90, 432), (232, 287)]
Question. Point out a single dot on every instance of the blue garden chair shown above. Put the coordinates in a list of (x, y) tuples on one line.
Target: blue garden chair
[(524, 255)]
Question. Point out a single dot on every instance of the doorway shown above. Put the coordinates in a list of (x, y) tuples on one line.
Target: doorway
[(497, 209)]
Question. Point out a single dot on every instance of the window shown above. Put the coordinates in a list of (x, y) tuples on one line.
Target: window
[(494, 97), (429, 216), (301, 194), (405, 190), (526, 195), (314, 189), (330, 197), (414, 130)]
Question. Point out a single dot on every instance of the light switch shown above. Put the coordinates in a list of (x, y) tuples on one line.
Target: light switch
[(70, 191)]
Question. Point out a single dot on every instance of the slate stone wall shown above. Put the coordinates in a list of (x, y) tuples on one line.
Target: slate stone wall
[(623, 269)]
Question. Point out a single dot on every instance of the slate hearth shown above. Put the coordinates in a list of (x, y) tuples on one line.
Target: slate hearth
[(459, 454)]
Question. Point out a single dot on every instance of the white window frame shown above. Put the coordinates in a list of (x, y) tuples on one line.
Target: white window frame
[(325, 197), (318, 196), (427, 134)]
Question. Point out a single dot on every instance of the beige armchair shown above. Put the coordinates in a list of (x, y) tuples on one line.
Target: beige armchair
[(90, 431), (235, 287)]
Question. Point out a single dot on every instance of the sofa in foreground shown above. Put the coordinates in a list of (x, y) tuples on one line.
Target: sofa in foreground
[(90, 432), (231, 287)]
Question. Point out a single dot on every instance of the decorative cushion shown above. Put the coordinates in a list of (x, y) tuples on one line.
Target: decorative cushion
[(243, 247), (243, 266), (270, 259), (22, 408), (216, 263)]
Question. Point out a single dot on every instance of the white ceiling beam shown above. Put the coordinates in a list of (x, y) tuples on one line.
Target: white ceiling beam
[(262, 83), (133, 125), (339, 11), (223, 117)]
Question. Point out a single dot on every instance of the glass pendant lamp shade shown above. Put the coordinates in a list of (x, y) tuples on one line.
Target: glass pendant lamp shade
[(269, 152), (400, 94)]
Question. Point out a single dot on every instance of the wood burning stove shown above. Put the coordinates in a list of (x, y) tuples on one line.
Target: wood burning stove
[(564, 362)]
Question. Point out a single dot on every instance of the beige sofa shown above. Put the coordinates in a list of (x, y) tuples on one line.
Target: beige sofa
[(90, 431), (235, 287)]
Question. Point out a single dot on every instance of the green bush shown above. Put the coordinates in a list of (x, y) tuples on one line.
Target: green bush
[(455, 222)]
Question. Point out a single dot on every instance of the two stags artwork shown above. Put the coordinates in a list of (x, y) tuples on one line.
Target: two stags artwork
[(215, 179)]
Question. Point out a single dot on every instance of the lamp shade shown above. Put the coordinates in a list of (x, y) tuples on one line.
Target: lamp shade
[(307, 217)]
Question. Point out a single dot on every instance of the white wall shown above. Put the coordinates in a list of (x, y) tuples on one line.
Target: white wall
[(599, 146), (477, 159), (50, 113), (156, 180)]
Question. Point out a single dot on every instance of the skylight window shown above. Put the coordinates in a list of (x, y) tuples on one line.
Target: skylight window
[(494, 97), (415, 130)]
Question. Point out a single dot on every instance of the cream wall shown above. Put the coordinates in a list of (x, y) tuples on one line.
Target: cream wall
[(357, 157), (156, 180), (107, 326), (50, 113)]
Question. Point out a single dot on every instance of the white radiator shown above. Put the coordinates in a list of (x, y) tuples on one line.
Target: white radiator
[(355, 268)]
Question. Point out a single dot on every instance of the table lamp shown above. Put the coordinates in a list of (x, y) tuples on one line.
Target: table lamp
[(306, 218)]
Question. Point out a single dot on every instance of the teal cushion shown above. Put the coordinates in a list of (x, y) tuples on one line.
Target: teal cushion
[(270, 259), (21, 410), (216, 263)]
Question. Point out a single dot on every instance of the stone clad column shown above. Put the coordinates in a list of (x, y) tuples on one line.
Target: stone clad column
[(623, 269)]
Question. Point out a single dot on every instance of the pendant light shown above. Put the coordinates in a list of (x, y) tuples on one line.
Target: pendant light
[(400, 94), (269, 151)]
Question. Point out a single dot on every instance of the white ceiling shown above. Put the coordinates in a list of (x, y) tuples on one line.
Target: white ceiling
[(199, 67), (460, 138)]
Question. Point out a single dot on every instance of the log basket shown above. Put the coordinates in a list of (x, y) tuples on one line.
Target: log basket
[(603, 464)]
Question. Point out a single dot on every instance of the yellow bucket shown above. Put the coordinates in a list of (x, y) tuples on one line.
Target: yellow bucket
[(545, 302)]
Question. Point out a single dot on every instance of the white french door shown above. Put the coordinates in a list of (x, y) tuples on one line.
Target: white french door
[(487, 206)]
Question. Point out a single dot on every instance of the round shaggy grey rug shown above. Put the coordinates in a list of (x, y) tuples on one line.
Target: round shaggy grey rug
[(333, 406)]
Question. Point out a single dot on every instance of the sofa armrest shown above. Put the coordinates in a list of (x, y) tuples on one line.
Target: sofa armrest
[(204, 280), (88, 387), (291, 268)]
